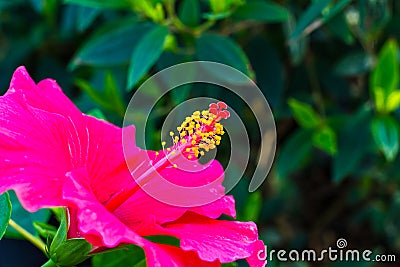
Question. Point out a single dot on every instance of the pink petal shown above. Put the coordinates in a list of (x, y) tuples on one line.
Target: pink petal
[(180, 187), (96, 224), (142, 205), (225, 241), (105, 160), (47, 95), (33, 159), (158, 255), (259, 257)]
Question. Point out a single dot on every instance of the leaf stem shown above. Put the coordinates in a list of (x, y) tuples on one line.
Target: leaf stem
[(28, 236), (50, 263)]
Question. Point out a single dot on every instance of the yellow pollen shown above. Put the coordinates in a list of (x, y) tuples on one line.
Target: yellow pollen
[(200, 132), (163, 143), (175, 166)]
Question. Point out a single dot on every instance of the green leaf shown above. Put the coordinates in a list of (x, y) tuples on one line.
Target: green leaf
[(114, 4), (334, 9), (146, 53), (189, 12), (217, 48), (354, 64), (312, 12), (386, 72), (379, 96), (164, 239), (111, 45), (325, 139), (304, 114), (85, 17), (297, 47), (353, 143), (61, 234), (71, 252), (109, 99), (261, 11), (24, 218), (67, 252), (294, 152), (45, 230), (339, 26), (216, 16), (127, 256), (5, 212), (253, 207), (219, 6), (231, 264), (393, 101), (269, 69), (97, 113), (385, 131)]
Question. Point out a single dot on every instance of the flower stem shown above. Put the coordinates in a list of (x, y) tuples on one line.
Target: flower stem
[(28, 236)]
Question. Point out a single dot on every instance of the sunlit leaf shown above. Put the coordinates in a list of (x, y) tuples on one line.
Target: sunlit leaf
[(5, 212), (325, 139), (385, 131), (385, 75), (304, 114)]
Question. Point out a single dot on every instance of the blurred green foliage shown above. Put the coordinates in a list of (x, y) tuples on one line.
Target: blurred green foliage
[(329, 69)]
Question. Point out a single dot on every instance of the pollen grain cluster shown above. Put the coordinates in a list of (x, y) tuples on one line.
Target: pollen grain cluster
[(201, 132)]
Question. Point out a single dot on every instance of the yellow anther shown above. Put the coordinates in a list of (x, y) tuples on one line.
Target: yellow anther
[(199, 133), (175, 166), (157, 153), (163, 143)]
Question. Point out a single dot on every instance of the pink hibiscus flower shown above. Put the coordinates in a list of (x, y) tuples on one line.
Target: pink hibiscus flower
[(53, 155)]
